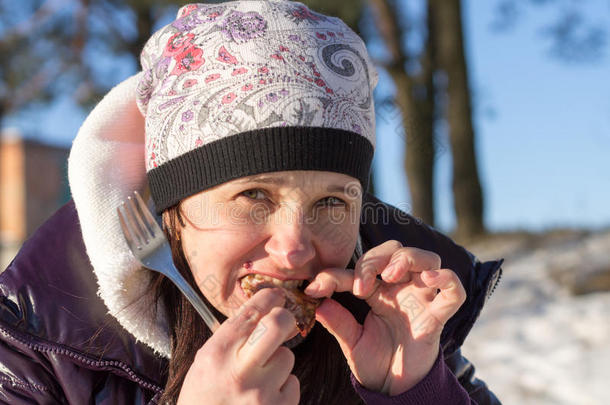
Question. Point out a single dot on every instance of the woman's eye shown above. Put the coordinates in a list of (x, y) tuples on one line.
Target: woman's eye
[(254, 194), (332, 202)]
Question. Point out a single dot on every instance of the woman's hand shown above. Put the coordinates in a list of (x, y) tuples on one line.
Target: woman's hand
[(399, 341), (244, 362)]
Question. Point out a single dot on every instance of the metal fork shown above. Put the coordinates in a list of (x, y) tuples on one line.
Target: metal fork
[(149, 245)]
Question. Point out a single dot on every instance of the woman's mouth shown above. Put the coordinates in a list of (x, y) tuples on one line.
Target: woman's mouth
[(253, 281), (297, 302)]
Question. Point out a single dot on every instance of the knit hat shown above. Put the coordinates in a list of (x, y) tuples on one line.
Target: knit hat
[(246, 87)]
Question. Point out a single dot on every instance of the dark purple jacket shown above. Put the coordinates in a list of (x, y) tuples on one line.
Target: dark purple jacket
[(59, 345)]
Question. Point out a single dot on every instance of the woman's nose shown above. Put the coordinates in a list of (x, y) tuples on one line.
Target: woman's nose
[(290, 244)]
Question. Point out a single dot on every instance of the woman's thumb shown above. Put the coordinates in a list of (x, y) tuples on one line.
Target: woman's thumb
[(340, 323)]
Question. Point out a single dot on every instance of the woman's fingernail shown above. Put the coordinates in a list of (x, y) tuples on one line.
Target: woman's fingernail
[(365, 282), (358, 286), (274, 296), (278, 294), (432, 273), (312, 288), (389, 271)]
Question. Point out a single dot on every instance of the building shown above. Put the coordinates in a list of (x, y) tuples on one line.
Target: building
[(33, 185)]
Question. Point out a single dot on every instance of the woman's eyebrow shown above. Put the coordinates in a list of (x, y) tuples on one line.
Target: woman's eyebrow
[(263, 179), (333, 188), (336, 189)]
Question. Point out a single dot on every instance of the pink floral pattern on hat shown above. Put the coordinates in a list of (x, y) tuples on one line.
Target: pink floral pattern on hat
[(220, 70), (242, 27)]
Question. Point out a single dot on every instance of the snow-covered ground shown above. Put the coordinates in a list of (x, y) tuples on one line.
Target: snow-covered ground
[(535, 342)]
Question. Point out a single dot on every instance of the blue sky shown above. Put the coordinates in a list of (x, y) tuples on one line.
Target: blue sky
[(542, 126)]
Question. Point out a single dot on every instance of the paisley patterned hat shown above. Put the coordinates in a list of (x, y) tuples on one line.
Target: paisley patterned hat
[(246, 87)]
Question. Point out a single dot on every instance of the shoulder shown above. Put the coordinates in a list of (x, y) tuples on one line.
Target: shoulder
[(52, 321), (381, 222)]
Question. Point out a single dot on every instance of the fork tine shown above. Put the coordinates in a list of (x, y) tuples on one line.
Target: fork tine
[(136, 232), (126, 229), (146, 233), (150, 220)]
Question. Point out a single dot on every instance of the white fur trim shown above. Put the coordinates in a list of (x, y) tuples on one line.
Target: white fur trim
[(106, 164)]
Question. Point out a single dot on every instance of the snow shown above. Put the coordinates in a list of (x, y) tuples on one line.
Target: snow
[(535, 342)]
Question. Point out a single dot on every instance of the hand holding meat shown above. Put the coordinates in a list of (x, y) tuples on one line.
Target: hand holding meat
[(399, 341), (244, 362)]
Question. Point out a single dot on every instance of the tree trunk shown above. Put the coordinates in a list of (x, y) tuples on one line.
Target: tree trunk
[(468, 200), (415, 99), (419, 147)]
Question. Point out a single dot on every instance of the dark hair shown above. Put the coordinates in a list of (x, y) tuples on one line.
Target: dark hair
[(320, 366)]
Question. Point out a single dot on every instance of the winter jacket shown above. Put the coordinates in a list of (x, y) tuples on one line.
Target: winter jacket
[(58, 344)]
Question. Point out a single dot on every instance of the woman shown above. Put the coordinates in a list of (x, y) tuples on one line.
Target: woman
[(256, 123)]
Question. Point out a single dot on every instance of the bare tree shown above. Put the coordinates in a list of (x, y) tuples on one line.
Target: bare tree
[(424, 100), (416, 101), (44, 49), (445, 18)]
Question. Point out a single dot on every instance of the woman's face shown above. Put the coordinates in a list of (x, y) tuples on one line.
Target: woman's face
[(285, 225)]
